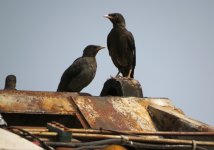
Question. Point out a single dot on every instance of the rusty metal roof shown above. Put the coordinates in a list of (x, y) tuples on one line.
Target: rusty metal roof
[(140, 119), (95, 112), (115, 113)]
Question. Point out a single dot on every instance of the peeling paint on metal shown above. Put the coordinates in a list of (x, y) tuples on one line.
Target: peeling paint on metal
[(115, 113), (170, 120), (131, 108), (35, 102), (87, 104)]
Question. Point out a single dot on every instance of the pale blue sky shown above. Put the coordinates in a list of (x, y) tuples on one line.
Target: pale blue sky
[(174, 40)]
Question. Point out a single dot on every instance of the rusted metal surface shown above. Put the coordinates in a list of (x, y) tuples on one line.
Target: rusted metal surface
[(79, 115), (163, 103), (120, 86), (115, 113), (168, 120), (35, 102), (145, 120)]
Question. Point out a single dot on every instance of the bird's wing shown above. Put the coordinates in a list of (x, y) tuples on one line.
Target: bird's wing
[(128, 50), (128, 46), (131, 43), (70, 73), (109, 41)]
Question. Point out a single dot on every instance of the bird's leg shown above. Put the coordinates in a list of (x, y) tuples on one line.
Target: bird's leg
[(118, 75), (129, 75)]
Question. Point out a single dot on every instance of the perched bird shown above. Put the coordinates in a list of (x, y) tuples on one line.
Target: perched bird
[(81, 72), (10, 82), (121, 46)]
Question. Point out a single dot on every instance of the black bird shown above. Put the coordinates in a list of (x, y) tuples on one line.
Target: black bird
[(81, 72), (121, 46), (10, 82)]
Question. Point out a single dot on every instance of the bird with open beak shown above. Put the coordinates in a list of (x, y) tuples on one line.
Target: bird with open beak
[(121, 46)]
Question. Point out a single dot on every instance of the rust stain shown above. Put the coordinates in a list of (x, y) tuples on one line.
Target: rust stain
[(169, 120), (35, 102), (133, 110), (115, 113)]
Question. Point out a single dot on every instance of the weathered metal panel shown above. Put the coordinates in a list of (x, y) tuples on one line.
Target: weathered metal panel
[(115, 113), (35, 102), (170, 120)]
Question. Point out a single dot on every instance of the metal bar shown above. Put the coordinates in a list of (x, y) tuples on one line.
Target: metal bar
[(43, 133), (131, 138), (118, 142), (141, 139), (28, 128), (102, 131), (79, 114), (158, 133)]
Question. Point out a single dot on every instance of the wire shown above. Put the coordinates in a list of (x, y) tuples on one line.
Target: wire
[(123, 141), (26, 133), (161, 146), (91, 147), (101, 142), (104, 143)]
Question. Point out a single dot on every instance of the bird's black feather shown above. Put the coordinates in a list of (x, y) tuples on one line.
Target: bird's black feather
[(81, 72), (121, 46)]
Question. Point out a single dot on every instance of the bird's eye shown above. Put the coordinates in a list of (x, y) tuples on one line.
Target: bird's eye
[(117, 18)]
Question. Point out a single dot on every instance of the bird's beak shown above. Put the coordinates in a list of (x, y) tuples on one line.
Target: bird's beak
[(107, 16), (101, 47)]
